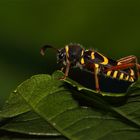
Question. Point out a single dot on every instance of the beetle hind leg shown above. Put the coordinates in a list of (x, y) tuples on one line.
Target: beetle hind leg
[(131, 59), (127, 62)]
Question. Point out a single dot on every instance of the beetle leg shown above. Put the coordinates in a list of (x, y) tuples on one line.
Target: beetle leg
[(96, 71), (129, 60), (66, 71), (121, 66)]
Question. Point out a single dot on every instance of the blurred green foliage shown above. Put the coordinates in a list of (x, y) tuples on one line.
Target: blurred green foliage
[(110, 26)]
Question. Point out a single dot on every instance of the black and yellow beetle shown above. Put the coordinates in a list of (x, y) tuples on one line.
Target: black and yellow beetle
[(74, 55)]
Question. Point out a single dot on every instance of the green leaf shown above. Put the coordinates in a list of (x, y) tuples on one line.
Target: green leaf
[(55, 110), (17, 117), (29, 123), (49, 98), (15, 105), (4, 135)]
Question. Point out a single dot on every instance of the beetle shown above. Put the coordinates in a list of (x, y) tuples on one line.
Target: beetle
[(75, 55)]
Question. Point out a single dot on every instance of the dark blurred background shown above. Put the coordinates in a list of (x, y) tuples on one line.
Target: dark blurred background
[(110, 26)]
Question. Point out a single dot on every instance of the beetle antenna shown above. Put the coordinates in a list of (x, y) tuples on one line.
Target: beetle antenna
[(43, 49)]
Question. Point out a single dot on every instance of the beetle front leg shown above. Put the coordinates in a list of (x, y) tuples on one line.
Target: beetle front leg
[(66, 71)]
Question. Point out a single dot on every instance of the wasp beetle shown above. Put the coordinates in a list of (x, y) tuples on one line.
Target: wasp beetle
[(75, 55)]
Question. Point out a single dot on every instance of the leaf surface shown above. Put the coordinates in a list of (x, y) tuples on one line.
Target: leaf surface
[(55, 103)]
